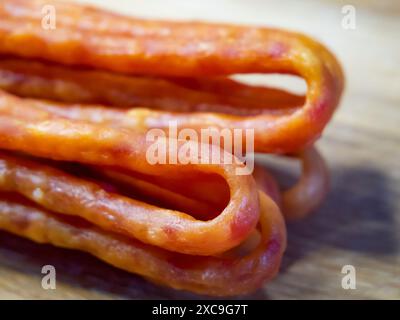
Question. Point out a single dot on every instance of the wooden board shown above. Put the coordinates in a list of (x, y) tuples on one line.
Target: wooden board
[(360, 222)]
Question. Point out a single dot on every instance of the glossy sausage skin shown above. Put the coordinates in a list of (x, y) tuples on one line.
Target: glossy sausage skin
[(121, 44), (77, 101)]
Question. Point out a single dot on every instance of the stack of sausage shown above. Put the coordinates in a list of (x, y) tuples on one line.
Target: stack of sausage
[(76, 102)]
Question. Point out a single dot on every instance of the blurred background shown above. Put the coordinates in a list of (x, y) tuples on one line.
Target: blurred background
[(359, 224)]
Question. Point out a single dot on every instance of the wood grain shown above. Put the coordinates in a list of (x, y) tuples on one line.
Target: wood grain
[(360, 222)]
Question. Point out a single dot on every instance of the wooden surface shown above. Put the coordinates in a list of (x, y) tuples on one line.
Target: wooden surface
[(360, 222)]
